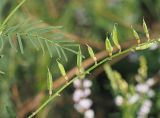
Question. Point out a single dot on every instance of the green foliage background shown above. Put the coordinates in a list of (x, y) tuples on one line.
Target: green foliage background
[(86, 19)]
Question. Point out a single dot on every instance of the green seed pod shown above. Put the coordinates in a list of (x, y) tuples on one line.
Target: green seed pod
[(79, 58), (146, 30), (62, 70), (144, 46), (136, 35), (115, 38), (49, 82), (91, 53), (109, 47)]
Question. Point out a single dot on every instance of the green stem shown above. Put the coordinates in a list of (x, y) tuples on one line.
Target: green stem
[(70, 82), (11, 14), (52, 97), (86, 72)]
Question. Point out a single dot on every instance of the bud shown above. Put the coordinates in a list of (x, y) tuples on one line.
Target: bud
[(91, 53), (146, 30), (115, 38), (62, 70), (49, 82), (109, 47), (136, 35)]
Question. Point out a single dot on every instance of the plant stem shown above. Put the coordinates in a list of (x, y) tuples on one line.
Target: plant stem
[(70, 82), (11, 14), (52, 97), (86, 72)]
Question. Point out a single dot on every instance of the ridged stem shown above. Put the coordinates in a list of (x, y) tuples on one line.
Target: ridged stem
[(85, 72)]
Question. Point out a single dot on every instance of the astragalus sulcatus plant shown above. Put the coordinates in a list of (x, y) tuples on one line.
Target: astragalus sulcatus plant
[(19, 35), (81, 72)]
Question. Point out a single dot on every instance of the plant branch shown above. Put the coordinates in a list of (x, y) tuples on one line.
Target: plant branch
[(88, 62), (32, 103), (84, 73)]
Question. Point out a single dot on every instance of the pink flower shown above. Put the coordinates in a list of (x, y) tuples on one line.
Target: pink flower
[(87, 83), (77, 95), (85, 103), (77, 83), (142, 88), (89, 114), (118, 100)]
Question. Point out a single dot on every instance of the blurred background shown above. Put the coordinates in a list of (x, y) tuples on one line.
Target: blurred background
[(23, 86)]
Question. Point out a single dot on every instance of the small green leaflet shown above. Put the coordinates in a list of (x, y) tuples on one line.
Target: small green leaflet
[(79, 58), (58, 52), (146, 30), (48, 47), (11, 29), (20, 43), (49, 82), (109, 47), (2, 43), (115, 38), (91, 53), (1, 72), (11, 43), (136, 35), (33, 43), (62, 70), (41, 45), (64, 54)]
